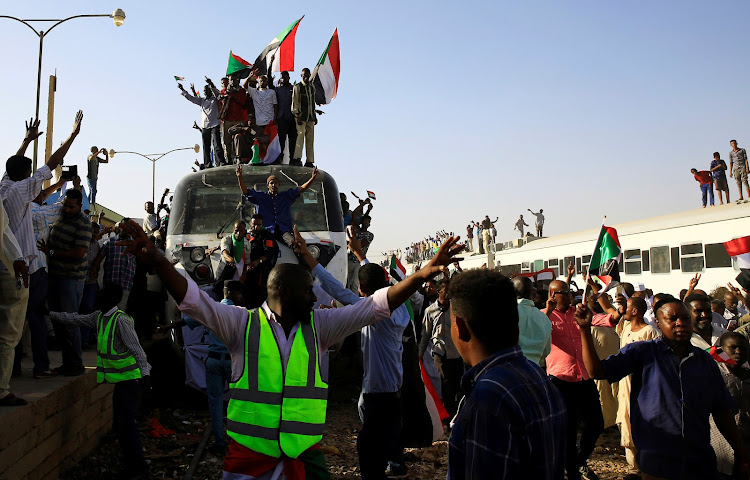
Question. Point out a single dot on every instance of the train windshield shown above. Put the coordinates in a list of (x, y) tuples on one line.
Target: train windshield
[(209, 201)]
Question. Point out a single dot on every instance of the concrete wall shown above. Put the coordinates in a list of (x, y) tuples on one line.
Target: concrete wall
[(43, 439)]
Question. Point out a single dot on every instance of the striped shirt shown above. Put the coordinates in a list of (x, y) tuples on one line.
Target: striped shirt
[(17, 198), (42, 217), (510, 424), (69, 234), (125, 336), (118, 268)]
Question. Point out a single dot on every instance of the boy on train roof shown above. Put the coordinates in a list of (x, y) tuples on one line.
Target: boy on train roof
[(707, 181)]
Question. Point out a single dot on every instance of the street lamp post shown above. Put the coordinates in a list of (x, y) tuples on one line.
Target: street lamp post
[(118, 16), (196, 148)]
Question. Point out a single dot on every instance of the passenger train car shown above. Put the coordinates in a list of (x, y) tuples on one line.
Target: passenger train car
[(663, 253)]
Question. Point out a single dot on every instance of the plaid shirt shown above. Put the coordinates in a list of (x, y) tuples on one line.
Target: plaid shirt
[(510, 424), (118, 268)]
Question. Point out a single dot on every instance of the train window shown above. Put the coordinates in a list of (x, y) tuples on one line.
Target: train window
[(546, 264), (509, 270), (553, 262), (659, 259), (633, 262), (567, 261), (717, 256), (538, 265), (525, 267), (586, 259), (645, 260), (692, 264), (579, 267), (556, 270), (691, 249), (675, 254)]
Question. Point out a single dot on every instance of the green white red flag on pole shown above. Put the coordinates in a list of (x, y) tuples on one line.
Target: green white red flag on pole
[(278, 56), (397, 271), (606, 259), (325, 77), (179, 79), (720, 356), (238, 65)]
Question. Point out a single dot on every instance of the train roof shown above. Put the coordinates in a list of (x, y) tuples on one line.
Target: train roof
[(703, 216)]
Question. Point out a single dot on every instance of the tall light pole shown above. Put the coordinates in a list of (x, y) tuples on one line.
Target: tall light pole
[(153, 161), (118, 16)]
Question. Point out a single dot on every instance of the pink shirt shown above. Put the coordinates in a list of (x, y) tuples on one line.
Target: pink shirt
[(565, 360)]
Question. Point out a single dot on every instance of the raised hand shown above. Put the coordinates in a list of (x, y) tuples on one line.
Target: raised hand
[(32, 130), (77, 122), (139, 244), (179, 85), (355, 245), (583, 315), (238, 171), (694, 281), (445, 255), (571, 269), (300, 245)]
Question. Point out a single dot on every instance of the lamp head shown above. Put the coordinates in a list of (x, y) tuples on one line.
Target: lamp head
[(112, 152), (197, 148), (118, 16)]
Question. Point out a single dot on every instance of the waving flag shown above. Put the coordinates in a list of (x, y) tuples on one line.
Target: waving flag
[(605, 261), (397, 270), (281, 49), (326, 74), (371, 195), (720, 356), (739, 250), (179, 79), (272, 151), (238, 65)]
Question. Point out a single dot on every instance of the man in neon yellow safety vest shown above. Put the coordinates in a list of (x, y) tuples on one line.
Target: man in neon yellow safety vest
[(279, 389), (120, 360)]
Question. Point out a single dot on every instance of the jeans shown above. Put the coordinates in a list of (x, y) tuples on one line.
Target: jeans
[(65, 294), (706, 188), (218, 374), (38, 288), (212, 136), (124, 402), (379, 439), (582, 403), (92, 190), (287, 130)]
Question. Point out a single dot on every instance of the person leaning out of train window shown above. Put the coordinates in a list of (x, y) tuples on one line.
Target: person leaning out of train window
[(671, 425)]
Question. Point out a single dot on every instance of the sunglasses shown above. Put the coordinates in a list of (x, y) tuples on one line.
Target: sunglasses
[(562, 292)]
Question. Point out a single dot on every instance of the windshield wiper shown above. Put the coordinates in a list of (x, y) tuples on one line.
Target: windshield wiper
[(231, 217)]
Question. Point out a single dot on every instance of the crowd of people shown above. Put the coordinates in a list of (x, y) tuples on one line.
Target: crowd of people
[(715, 178), (240, 121)]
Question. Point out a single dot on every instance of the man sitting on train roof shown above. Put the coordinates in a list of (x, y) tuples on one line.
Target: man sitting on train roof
[(275, 207)]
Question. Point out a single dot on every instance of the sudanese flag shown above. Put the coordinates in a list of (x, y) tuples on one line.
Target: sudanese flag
[(606, 259)]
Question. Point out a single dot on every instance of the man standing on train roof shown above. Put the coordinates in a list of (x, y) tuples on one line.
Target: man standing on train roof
[(275, 207), (539, 223), (279, 351), (520, 223)]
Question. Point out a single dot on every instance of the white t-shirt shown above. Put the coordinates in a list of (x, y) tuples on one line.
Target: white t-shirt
[(263, 100), (539, 218)]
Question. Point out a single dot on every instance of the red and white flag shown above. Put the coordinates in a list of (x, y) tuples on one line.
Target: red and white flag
[(739, 250), (435, 406)]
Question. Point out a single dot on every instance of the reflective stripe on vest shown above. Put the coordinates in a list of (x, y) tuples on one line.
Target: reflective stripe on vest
[(112, 366), (273, 410)]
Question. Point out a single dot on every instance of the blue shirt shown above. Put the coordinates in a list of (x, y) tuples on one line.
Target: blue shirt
[(275, 209), (670, 401), (382, 345), (510, 424), (718, 173), (215, 345)]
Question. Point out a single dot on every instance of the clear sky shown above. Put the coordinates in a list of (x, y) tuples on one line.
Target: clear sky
[(447, 110)]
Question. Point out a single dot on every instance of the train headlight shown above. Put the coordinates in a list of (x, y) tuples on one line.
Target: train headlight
[(314, 251), (202, 272), (197, 255)]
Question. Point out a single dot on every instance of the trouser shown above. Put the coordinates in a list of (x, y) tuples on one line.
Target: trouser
[(90, 290), (451, 370), (65, 294), (287, 130), (706, 189), (471, 243), (13, 302), (486, 240), (380, 437), (582, 403), (352, 275), (92, 191), (218, 374), (124, 402), (539, 229), (38, 287), (212, 137), (305, 135), (630, 458), (520, 230), (480, 246), (740, 176), (226, 138)]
